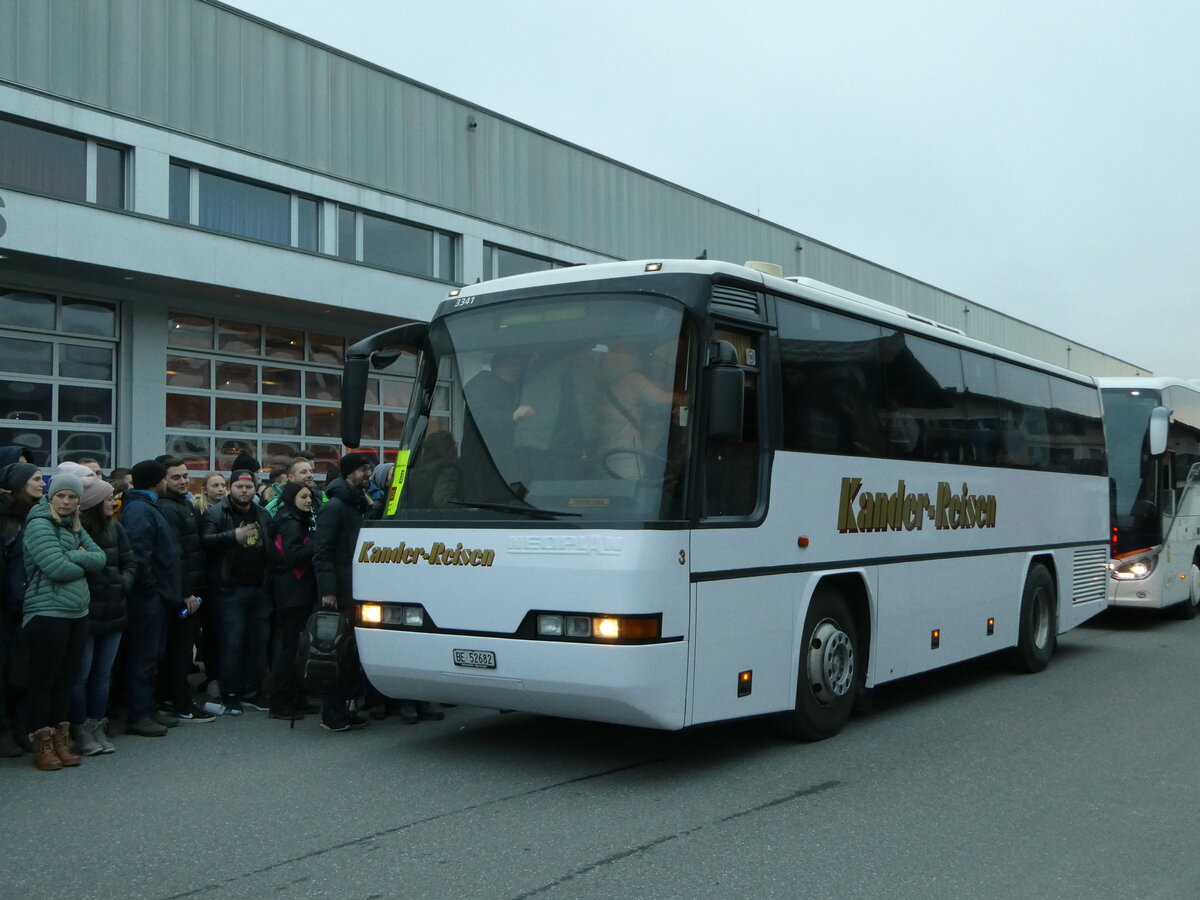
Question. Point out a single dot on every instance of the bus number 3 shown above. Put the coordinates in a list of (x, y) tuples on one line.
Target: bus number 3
[(682, 558)]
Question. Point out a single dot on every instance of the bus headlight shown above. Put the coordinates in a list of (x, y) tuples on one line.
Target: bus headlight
[(1134, 568), (407, 616), (609, 629)]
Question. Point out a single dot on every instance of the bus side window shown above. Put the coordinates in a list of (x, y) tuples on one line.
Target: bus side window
[(731, 467)]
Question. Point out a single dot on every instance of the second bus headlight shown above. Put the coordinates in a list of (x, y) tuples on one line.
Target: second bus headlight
[(1134, 568)]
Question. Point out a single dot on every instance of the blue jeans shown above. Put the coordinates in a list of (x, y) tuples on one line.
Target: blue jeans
[(89, 694), (244, 617), (147, 638)]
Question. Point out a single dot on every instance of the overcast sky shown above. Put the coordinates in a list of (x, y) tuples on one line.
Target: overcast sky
[(1041, 157)]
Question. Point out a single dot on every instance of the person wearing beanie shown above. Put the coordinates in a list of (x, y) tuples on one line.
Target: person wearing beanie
[(156, 594), (58, 555), (108, 615), (233, 534), (22, 488), (338, 524)]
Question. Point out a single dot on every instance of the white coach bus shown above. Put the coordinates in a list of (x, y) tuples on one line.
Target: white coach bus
[(1152, 428), (667, 493)]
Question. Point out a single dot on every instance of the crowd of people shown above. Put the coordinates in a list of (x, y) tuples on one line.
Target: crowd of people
[(130, 606)]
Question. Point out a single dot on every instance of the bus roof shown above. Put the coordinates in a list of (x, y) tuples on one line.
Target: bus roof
[(806, 288)]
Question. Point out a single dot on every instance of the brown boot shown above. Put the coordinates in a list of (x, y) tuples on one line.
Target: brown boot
[(62, 745), (44, 757)]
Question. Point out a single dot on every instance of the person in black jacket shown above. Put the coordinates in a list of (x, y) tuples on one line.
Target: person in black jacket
[(338, 523), (108, 614), (156, 595), (181, 515), (22, 487), (233, 534), (293, 589)]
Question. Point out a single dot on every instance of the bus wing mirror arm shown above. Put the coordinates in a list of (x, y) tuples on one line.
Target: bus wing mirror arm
[(1160, 420), (378, 351)]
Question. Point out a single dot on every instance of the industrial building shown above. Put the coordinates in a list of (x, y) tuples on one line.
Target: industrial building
[(199, 209)]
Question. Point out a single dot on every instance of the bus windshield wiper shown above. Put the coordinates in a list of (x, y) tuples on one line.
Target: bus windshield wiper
[(532, 511)]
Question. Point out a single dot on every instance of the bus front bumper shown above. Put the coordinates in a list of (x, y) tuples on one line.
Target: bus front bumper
[(643, 685)]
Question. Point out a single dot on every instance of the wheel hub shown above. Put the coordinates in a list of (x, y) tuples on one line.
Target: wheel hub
[(830, 662)]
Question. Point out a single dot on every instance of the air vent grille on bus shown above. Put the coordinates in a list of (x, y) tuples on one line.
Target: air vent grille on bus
[(1089, 575), (736, 300)]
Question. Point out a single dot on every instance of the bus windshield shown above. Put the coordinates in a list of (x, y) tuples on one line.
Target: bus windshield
[(565, 408), (1134, 495)]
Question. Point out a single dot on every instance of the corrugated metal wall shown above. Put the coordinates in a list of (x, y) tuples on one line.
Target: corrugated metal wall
[(204, 69)]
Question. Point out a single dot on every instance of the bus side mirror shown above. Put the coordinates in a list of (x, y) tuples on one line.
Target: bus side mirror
[(354, 398), (1160, 419), (725, 389), (378, 351)]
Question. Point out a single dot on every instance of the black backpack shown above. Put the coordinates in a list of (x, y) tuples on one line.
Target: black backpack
[(323, 655)]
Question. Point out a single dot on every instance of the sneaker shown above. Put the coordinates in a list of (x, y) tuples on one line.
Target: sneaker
[(233, 708), (335, 723), (88, 745), (193, 713), (252, 702), (354, 720), (168, 719), (100, 732), (147, 727)]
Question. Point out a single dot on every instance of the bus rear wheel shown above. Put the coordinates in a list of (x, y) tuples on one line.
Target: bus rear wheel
[(1038, 630), (830, 670)]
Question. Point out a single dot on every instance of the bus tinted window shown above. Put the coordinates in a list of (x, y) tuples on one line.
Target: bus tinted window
[(1024, 407), (927, 403), (833, 384), (1076, 429)]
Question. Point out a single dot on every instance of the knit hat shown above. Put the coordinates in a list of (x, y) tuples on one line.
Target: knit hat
[(147, 474), (74, 468), (352, 462), (246, 461), (382, 476), (14, 476), (95, 491), (240, 474), (65, 481)]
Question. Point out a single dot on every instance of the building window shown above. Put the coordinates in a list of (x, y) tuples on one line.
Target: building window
[(58, 376), (243, 208), (270, 391), (58, 164), (396, 245), (499, 262)]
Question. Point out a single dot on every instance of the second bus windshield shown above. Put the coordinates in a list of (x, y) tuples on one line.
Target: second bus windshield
[(570, 407)]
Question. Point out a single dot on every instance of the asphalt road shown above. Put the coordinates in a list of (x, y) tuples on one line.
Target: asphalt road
[(967, 782)]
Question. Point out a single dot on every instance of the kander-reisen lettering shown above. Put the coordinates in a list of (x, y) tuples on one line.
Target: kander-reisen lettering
[(437, 555), (862, 511)]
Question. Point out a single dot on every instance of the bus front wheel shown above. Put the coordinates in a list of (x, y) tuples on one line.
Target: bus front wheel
[(1188, 608), (1037, 631), (830, 670)]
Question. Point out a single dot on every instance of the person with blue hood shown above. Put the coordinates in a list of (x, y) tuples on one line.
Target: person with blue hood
[(58, 554), (15, 453), (21, 487)]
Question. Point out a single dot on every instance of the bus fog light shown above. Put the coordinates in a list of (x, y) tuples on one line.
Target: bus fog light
[(414, 616), (578, 626), (372, 613), (550, 626)]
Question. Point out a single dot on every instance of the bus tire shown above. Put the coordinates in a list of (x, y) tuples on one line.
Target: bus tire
[(831, 673), (1038, 632), (1188, 608)]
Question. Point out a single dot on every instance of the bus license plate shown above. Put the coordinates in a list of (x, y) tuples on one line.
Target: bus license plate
[(475, 659)]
